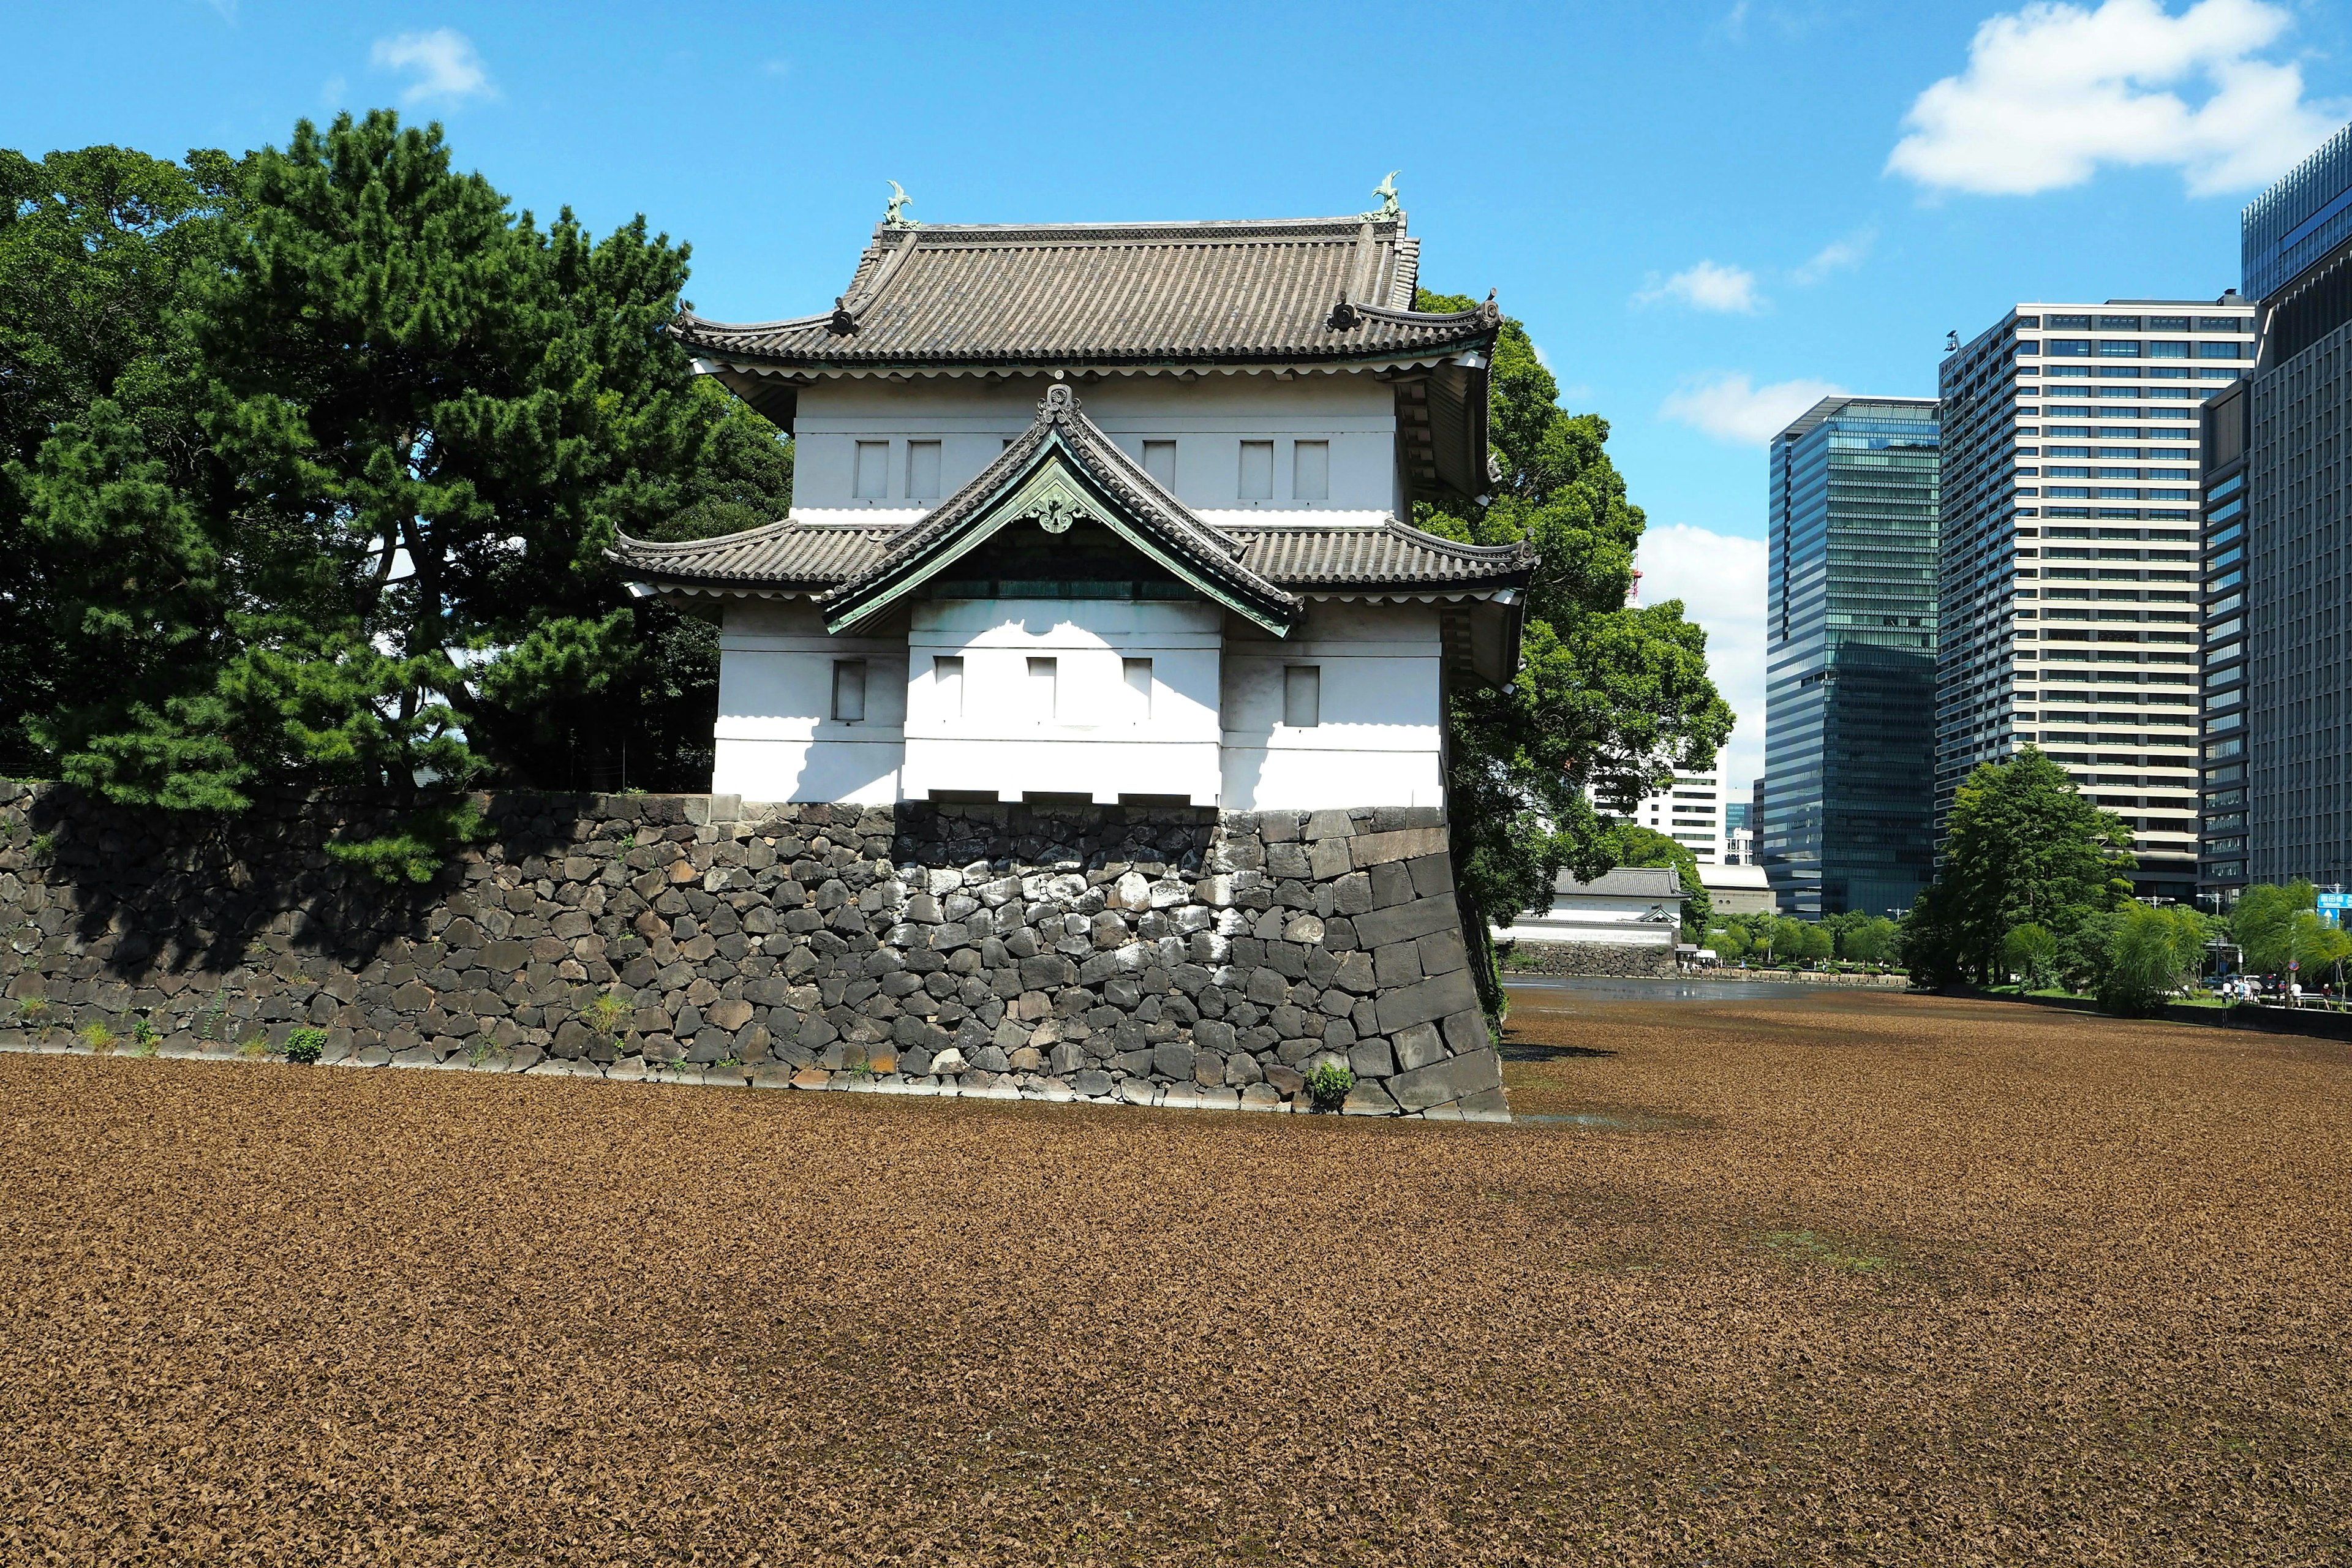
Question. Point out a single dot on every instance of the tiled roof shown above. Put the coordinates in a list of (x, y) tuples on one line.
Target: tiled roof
[(1626, 881), (814, 557), (788, 555), (1303, 555), (1291, 290)]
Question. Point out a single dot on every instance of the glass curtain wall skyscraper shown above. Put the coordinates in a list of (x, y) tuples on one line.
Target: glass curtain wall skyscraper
[(2278, 722), (2070, 588), (1847, 803)]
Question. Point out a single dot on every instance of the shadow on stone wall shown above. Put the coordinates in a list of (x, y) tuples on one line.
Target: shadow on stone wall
[(1154, 955)]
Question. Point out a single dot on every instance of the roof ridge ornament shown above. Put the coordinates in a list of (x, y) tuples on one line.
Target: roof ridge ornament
[(1386, 190), (894, 214), (1061, 401)]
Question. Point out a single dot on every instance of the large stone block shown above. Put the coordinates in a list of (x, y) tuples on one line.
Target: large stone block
[(1379, 848), (1406, 922), (1453, 1078), (1426, 1001)]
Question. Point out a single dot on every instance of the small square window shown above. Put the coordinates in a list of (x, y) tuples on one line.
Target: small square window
[(1159, 462), (1258, 470), (872, 480), (1302, 696), (1044, 679), (1310, 470), (849, 690), (922, 471), (1137, 674)]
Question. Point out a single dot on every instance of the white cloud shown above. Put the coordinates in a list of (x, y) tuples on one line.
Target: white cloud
[(1719, 578), (1727, 408), (444, 62), (1838, 255), (2053, 91), (1709, 285)]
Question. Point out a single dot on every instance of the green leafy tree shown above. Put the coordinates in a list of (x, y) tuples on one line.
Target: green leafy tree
[(1608, 697), (1866, 939), (1729, 941), (2031, 953), (2022, 845)]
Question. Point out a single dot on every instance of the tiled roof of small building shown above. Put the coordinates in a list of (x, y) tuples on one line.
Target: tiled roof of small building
[(1284, 291)]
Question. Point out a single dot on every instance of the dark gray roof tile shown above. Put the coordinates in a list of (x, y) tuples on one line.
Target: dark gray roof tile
[(1109, 294)]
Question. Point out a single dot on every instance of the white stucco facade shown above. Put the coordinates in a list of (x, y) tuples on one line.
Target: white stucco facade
[(1203, 420), (1166, 703)]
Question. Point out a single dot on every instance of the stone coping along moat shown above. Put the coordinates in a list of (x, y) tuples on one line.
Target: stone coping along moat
[(1146, 955)]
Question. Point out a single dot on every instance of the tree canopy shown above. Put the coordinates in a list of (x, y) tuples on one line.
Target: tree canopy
[(2279, 927), (1609, 697), (2021, 846), (324, 469)]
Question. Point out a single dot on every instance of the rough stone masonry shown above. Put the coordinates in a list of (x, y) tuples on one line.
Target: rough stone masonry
[(1148, 955)]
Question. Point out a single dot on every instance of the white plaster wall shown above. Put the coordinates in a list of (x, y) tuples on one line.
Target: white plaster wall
[(1098, 742), (776, 740), (1208, 417), (1378, 740)]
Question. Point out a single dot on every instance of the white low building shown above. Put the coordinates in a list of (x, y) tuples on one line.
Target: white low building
[(1107, 511), (1627, 921)]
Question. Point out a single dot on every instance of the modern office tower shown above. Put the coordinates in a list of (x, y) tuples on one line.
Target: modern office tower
[(1738, 834), (1844, 814), (2279, 781), (1690, 811), (2222, 855), (2069, 596)]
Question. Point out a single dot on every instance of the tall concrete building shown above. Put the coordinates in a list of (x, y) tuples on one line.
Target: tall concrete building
[(1845, 813), (2069, 604), (2279, 694), (1690, 811)]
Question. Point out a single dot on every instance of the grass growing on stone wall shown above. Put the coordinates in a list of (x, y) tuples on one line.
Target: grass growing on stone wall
[(95, 1038)]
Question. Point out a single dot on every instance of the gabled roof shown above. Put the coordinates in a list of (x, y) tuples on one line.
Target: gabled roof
[(1291, 290), (1625, 881), (1061, 470)]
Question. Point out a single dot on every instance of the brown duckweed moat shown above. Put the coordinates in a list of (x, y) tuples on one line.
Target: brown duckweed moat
[(1814, 1277)]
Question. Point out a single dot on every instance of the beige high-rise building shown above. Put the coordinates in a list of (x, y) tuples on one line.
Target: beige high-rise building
[(2068, 583)]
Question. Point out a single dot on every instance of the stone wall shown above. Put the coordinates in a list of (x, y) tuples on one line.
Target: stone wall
[(1146, 955), (1532, 956)]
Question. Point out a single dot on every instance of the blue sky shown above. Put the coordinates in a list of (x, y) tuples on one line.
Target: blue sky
[(1706, 214)]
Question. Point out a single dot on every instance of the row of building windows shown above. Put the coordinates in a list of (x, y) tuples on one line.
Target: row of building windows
[(1302, 691), (2125, 348), (2100, 323), (1310, 470)]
